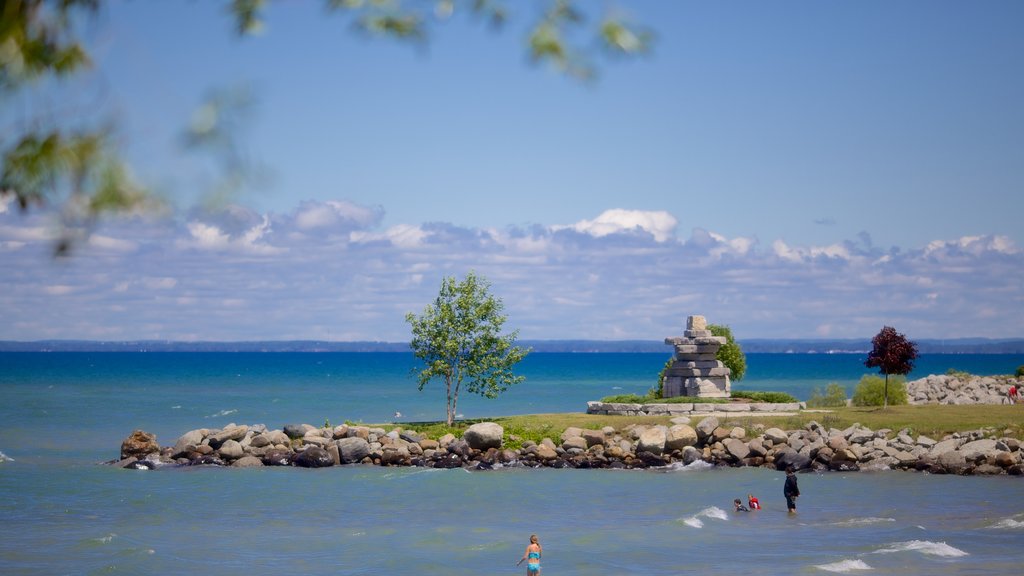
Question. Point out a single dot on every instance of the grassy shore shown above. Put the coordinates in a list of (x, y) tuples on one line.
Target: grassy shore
[(934, 421)]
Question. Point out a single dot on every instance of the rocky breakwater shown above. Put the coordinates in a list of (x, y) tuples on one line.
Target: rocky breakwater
[(961, 389), (484, 446)]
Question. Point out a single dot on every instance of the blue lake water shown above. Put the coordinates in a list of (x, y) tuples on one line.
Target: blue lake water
[(60, 413)]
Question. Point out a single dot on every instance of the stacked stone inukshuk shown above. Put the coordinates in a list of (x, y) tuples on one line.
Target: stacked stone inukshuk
[(695, 371)]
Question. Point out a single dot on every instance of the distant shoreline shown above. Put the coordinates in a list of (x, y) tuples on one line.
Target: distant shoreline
[(751, 346)]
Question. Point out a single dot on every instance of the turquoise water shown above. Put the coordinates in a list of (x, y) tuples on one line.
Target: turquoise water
[(62, 514)]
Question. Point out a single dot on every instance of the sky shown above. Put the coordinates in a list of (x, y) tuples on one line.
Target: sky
[(793, 170)]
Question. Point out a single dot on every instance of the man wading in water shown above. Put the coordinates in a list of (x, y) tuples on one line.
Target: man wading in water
[(790, 490)]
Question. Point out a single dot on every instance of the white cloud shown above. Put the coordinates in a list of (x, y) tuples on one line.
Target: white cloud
[(659, 224), (243, 275)]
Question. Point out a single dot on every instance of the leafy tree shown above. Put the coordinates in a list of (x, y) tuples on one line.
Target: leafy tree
[(874, 391), (834, 396), (63, 159), (892, 353), (458, 338), (730, 353)]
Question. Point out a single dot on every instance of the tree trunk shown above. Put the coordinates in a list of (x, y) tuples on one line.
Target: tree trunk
[(448, 392), (885, 392)]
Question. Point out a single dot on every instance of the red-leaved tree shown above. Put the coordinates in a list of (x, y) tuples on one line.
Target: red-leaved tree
[(892, 353)]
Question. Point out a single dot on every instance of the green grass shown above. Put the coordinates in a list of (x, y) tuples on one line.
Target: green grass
[(934, 421), (770, 397)]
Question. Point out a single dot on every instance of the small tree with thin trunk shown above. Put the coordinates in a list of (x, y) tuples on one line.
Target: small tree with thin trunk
[(458, 338), (892, 353)]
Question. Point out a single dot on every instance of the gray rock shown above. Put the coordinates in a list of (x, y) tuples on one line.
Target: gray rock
[(680, 436), (352, 449), (736, 448), (187, 442), (313, 457), (652, 440), (231, 450), (706, 427), (776, 436), (484, 435), (247, 462)]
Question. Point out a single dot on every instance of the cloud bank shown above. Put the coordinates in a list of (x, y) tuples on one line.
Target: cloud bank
[(329, 270)]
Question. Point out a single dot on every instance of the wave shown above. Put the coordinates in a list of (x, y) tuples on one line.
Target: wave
[(680, 467), (862, 521), (844, 566), (223, 413), (5, 458), (1004, 524), (712, 512), (924, 547)]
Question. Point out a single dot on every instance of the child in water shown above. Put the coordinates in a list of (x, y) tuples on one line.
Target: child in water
[(753, 503), (532, 557), (739, 506)]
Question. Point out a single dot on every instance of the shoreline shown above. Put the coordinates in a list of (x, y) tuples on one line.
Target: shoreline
[(485, 446)]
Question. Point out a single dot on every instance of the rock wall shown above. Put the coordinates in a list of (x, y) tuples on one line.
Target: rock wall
[(686, 408), (961, 389), (813, 447)]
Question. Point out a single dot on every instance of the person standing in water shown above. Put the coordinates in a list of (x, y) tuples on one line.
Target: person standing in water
[(532, 557), (790, 490)]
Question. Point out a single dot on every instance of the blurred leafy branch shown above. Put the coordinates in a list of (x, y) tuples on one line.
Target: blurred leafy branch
[(67, 161)]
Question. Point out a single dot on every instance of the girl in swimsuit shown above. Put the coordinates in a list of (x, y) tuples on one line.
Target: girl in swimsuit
[(532, 557)]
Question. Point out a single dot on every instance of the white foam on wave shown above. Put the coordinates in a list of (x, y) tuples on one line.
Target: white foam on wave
[(844, 566), (712, 512), (1004, 524), (222, 413), (5, 458), (696, 465), (863, 521), (924, 547)]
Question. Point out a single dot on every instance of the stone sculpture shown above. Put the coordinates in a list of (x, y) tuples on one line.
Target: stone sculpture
[(694, 370)]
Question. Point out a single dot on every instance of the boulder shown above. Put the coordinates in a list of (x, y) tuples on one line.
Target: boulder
[(776, 435), (295, 431), (139, 444), (706, 427), (652, 440), (593, 437), (574, 442), (736, 448), (352, 449), (484, 435), (187, 442), (312, 457), (231, 450), (247, 462), (235, 433), (277, 457), (788, 457), (680, 436)]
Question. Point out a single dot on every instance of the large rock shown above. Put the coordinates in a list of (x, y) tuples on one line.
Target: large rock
[(352, 449), (187, 442), (484, 435), (706, 427), (313, 457), (247, 462), (231, 450), (736, 448), (652, 440), (139, 444), (235, 433), (680, 436)]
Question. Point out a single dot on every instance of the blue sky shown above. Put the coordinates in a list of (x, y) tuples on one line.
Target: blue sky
[(796, 169)]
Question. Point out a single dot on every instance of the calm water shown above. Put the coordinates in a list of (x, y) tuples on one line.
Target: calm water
[(62, 412)]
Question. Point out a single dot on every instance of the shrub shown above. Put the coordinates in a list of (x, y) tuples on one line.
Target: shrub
[(870, 391), (960, 374), (767, 397), (627, 399), (834, 396), (1020, 371)]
